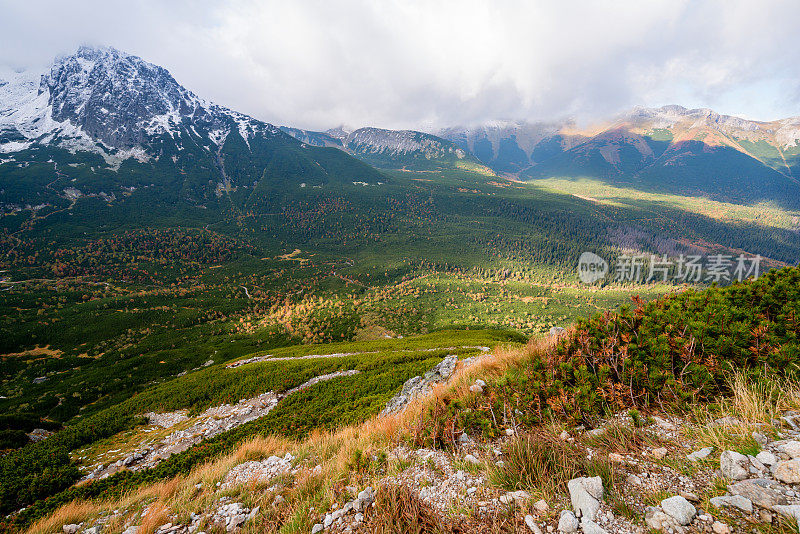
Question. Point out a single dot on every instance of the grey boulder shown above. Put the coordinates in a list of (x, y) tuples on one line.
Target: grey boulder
[(679, 509), (585, 494)]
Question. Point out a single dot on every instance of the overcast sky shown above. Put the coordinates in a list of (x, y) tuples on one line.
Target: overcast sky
[(415, 64)]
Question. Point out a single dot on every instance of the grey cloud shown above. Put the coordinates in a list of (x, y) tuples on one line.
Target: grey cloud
[(410, 63)]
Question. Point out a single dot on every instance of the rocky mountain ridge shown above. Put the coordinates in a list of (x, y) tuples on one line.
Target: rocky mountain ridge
[(515, 145), (669, 149), (103, 101), (389, 148), (102, 95)]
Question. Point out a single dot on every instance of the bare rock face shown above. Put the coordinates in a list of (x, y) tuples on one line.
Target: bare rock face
[(166, 420), (734, 501), (792, 448), (656, 519), (38, 434), (257, 472), (110, 94), (760, 492), (401, 142), (590, 527), (531, 524), (701, 454), (567, 522), (766, 458)]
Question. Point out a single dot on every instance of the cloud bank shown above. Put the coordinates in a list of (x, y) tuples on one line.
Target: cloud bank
[(425, 64)]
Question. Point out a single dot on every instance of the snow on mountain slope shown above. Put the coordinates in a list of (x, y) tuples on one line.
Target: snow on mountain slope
[(390, 148), (151, 131), (669, 117), (102, 95), (401, 143), (24, 111)]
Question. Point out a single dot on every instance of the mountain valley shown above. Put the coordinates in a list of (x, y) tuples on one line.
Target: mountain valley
[(186, 290)]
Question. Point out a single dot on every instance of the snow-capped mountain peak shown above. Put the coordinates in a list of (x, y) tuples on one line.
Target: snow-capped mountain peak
[(102, 95), (115, 97)]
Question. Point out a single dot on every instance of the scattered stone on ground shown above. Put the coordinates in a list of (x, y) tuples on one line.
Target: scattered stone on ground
[(758, 487), (258, 472), (211, 422)]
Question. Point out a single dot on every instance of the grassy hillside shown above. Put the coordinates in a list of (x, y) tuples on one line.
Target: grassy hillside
[(670, 352), (106, 301), (44, 468), (692, 357), (100, 305)]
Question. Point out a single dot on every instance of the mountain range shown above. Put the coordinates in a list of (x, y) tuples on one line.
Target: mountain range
[(164, 255), (671, 149), (133, 125), (393, 149), (131, 112)]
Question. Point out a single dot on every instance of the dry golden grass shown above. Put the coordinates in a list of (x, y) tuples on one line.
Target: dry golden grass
[(755, 402), (753, 405), (333, 451), (157, 515), (621, 438), (539, 462), (399, 511), (74, 512)]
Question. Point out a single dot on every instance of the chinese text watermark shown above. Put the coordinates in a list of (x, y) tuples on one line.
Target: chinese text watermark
[(647, 268)]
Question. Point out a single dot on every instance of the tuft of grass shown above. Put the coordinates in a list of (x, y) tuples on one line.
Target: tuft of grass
[(433, 466), (737, 438), (654, 499), (759, 401), (597, 466), (157, 515), (398, 465), (399, 511), (636, 418), (539, 461), (469, 467), (622, 438)]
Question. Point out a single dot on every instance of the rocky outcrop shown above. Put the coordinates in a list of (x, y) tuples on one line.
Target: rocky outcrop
[(420, 385), (166, 420), (258, 472), (210, 423)]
